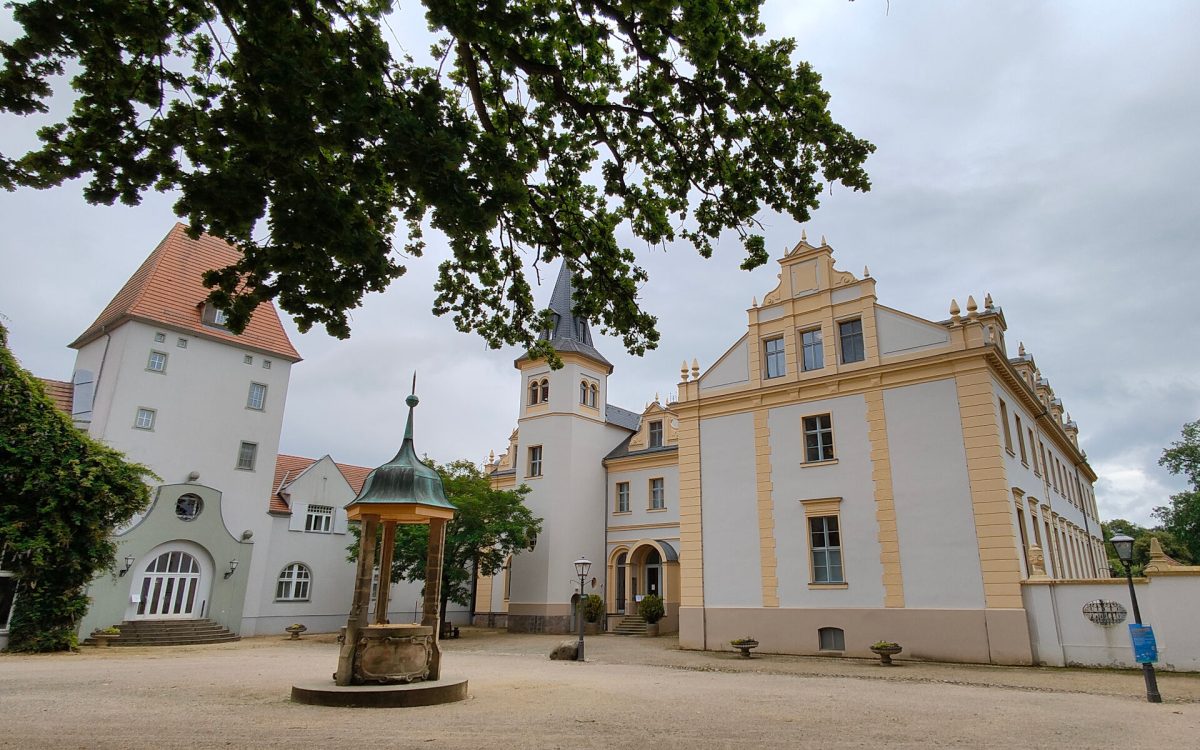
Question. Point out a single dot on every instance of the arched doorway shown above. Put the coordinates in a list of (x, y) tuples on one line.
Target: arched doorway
[(620, 590), (174, 584), (652, 573)]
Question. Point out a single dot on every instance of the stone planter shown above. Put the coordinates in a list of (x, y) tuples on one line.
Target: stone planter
[(652, 630), (295, 631), (745, 647), (103, 640), (591, 628), (886, 654)]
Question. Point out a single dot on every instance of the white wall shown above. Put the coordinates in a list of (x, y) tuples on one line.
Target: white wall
[(729, 511)]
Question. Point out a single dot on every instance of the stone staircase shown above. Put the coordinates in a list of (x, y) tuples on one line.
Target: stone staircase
[(170, 633), (631, 625)]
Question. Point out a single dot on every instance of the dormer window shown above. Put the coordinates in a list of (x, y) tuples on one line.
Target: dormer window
[(656, 434), (214, 317)]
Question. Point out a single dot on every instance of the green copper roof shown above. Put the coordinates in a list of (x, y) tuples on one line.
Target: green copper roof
[(404, 479)]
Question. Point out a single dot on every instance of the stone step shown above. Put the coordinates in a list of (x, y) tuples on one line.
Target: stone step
[(631, 625), (170, 633)]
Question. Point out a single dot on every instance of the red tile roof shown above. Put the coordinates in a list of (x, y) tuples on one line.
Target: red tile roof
[(61, 393), (167, 290), (287, 468)]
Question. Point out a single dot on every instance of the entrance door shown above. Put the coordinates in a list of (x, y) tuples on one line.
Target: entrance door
[(169, 588), (621, 583), (653, 565)]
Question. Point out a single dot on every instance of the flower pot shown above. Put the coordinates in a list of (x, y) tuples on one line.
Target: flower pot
[(591, 628), (295, 631), (745, 647), (886, 654), (103, 640), (652, 629)]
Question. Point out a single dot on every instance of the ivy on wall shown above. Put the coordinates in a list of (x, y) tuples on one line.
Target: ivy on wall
[(63, 494)]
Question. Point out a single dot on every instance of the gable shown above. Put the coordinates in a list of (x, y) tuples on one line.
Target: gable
[(899, 333)]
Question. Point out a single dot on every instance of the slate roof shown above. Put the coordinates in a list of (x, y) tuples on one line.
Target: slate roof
[(622, 450), (167, 290), (61, 393), (622, 417), (288, 468), (571, 332)]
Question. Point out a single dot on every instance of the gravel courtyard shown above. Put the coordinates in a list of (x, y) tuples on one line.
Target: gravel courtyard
[(631, 693)]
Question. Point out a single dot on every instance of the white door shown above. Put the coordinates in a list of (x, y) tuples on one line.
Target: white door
[(169, 588)]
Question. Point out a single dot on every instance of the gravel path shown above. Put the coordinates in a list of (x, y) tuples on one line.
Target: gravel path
[(631, 693)]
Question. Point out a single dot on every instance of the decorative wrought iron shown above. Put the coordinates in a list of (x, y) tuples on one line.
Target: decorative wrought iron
[(1104, 612)]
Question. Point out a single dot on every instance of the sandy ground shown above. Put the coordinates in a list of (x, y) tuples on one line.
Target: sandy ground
[(631, 693)]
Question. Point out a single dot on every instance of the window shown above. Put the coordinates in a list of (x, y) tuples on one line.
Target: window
[(266, 364), (622, 497), (293, 583), (535, 461), (160, 338), (545, 390), (248, 359), (219, 317), (157, 362), (247, 452), (181, 343), (1042, 453), (592, 396), (257, 397), (818, 438), (826, 549), (1024, 539), (656, 433), (1004, 420), (1021, 441), (814, 350), (658, 499), (188, 506), (583, 392), (533, 392), (144, 419), (775, 360), (850, 332), (831, 639), (319, 518), (539, 391), (1029, 432)]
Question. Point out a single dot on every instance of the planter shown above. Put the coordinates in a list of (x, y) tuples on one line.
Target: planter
[(103, 640), (886, 654), (295, 630), (591, 628), (651, 629), (745, 647)]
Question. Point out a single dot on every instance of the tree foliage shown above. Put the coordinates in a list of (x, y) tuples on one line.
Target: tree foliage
[(63, 494), (290, 129), (1182, 515), (490, 525), (1171, 545)]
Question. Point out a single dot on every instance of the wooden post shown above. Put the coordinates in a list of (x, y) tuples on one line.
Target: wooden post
[(432, 615), (362, 600), (385, 572)]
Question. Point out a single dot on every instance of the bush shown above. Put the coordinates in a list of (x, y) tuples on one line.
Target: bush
[(651, 609), (593, 608)]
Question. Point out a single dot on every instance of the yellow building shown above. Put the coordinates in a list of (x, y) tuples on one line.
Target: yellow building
[(845, 473)]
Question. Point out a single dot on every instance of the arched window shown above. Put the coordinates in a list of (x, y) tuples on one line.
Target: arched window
[(832, 639), (293, 583), (583, 392), (545, 390), (533, 392), (592, 395)]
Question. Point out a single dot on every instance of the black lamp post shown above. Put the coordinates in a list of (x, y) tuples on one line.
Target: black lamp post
[(582, 566), (1124, 546)]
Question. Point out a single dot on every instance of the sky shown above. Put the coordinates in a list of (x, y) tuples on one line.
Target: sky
[(1043, 152)]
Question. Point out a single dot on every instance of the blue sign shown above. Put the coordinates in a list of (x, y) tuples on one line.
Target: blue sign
[(1145, 650)]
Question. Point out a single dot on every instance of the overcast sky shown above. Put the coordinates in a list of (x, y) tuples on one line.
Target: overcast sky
[(1045, 152)]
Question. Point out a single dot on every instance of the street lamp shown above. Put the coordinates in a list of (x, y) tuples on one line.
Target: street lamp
[(1124, 546), (582, 566)]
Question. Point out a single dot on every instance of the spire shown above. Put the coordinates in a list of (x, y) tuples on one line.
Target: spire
[(569, 332)]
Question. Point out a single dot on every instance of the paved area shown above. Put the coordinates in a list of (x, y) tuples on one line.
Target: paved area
[(631, 693)]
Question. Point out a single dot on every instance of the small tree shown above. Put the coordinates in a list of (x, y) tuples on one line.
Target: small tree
[(63, 494), (593, 608), (651, 609), (1182, 516)]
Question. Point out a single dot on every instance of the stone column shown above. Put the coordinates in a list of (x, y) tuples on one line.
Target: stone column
[(432, 616), (362, 600), (385, 572)]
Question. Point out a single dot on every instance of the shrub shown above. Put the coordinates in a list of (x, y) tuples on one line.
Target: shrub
[(885, 644), (651, 609), (593, 608)]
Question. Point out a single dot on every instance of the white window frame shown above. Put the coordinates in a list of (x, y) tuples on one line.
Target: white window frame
[(160, 337), (860, 335), (817, 347), (622, 497), (9, 577), (824, 435), (262, 399), (319, 519), (181, 343), (294, 583), (779, 357), (149, 422), (244, 463), (535, 461), (150, 361), (655, 433), (658, 494), (832, 545)]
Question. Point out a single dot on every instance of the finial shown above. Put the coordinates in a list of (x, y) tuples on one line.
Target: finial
[(1021, 349), (683, 371), (972, 306), (823, 242), (412, 402), (954, 311), (754, 301), (656, 397), (695, 369), (987, 302), (866, 272), (491, 457), (803, 236)]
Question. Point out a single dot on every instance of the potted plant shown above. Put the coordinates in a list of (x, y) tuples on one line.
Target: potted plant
[(296, 629), (886, 650), (106, 636), (651, 610), (593, 610), (744, 644)]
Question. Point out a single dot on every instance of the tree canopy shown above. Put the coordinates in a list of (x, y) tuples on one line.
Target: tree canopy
[(1182, 515), (292, 130), (63, 495), (490, 525)]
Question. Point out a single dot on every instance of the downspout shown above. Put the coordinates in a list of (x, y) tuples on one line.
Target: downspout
[(604, 525)]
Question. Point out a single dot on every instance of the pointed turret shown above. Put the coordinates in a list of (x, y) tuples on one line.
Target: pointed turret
[(569, 332)]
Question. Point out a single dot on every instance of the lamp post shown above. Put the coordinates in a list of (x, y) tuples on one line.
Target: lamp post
[(1124, 546), (582, 566)]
